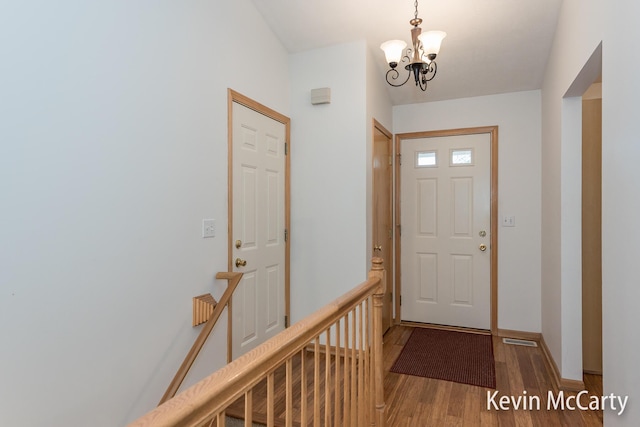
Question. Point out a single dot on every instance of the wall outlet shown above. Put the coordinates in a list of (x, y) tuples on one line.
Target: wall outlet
[(509, 221), (208, 228)]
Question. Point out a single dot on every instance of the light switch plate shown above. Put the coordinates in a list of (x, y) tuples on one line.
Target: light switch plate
[(208, 228)]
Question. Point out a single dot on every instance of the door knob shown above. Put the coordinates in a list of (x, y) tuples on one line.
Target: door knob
[(240, 262), (483, 247)]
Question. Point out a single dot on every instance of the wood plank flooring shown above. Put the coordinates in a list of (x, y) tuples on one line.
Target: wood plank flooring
[(417, 401)]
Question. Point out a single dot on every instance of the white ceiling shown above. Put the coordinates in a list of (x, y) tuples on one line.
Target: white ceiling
[(492, 46)]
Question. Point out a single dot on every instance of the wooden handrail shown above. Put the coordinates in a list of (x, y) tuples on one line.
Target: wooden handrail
[(214, 394), (234, 279)]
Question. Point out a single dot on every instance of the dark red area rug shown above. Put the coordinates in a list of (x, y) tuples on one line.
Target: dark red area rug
[(448, 355)]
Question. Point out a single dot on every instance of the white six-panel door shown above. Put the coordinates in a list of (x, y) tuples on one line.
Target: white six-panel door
[(258, 306), (445, 241)]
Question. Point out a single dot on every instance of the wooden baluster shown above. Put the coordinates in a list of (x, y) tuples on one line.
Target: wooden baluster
[(336, 382), (196, 313), (368, 413), (377, 271), (289, 394), (362, 405), (327, 379), (346, 417), (248, 408), (372, 367), (270, 400), (316, 383), (354, 370), (304, 417)]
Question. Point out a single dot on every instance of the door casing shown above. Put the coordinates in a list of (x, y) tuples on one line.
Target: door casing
[(493, 131), (387, 244), (233, 96)]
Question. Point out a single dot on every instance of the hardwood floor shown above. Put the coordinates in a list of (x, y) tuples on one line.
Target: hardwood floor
[(417, 401), (423, 402)]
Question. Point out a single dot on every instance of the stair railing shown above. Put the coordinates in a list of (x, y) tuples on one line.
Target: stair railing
[(338, 353), (234, 279)]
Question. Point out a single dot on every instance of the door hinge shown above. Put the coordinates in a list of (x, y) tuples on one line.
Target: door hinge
[(390, 233), (400, 299), (286, 148), (390, 160), (400, 159), (286, 235), (391, 297), (286, 321)]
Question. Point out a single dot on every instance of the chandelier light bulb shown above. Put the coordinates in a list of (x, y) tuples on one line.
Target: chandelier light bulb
[(393, 51), (431, 41)]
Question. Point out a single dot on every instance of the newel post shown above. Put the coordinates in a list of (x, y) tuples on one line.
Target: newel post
[(378, 271)]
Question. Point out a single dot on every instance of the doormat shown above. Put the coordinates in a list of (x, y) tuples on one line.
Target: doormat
[(460, 357)]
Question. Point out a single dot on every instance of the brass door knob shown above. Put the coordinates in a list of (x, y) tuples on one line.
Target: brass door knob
[(483, 247), (240, 262)]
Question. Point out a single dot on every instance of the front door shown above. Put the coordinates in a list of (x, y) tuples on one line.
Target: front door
[(258, 238), (382, 233), (446, 226)]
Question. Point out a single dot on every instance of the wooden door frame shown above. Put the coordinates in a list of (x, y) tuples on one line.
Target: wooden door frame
[(376, 125), (493, 132), (233, 96)]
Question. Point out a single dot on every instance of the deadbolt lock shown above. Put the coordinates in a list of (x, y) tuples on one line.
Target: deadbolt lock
[(377, 248), (238, 244), (482, 233)]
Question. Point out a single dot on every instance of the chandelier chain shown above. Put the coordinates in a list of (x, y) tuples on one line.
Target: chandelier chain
[(416, 6)]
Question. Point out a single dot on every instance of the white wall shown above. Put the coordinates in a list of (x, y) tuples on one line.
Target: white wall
[(577, 36), (518, 118), (113, 145), (328, 176), (581, 28), (621, 204)]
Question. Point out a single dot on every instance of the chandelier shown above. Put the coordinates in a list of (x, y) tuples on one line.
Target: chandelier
[(420, 58)]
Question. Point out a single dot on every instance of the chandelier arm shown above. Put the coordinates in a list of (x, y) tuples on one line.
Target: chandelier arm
[(433, 69), (394, 76)]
